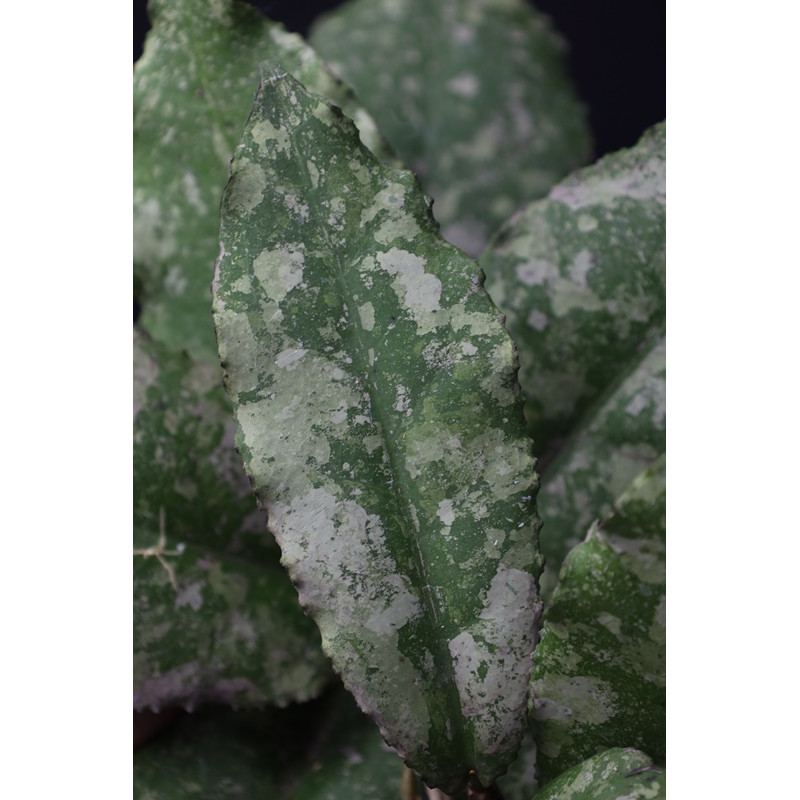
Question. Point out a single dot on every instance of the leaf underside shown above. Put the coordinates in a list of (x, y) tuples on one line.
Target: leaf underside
[(381, 425)]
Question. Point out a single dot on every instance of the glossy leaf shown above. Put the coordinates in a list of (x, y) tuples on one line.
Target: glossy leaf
[(192, 91), (599, 673), (619, 439), (580, 276), (616, 774), (215, 617), (381, 425), (472, 94)]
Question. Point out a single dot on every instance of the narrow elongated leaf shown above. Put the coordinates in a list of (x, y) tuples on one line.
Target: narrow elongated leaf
[(381, 424), (472, 94), (619, 439), (581, 278), (192, 91), (215, 617), (616, 774), (599, 671)]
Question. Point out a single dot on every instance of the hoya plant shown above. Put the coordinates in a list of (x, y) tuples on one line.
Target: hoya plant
[(399, 413)]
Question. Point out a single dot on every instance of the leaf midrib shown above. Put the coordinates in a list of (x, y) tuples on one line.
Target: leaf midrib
[(378, 406)]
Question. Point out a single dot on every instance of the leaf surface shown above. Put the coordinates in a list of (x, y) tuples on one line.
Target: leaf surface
[(214, 752), (381, 425), (599, 674), (622, 435), (325, 750), (192, 91), (472, 94), (581, 278), (616, 774), (216, 619), (351, 759)]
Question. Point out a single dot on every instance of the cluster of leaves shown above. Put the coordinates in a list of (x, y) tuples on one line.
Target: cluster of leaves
[(370, 389)]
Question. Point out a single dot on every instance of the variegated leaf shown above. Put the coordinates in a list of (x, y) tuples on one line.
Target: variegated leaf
[(214, 616), (600, 668), (621, 773), (473, 95), (581, 277), (379, 418), (192, 90), (625, 434)]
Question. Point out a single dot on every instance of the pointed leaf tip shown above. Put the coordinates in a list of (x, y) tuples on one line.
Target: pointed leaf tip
[(380, 421)]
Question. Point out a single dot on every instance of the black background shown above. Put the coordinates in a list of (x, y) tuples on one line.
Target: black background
[(617, 55)]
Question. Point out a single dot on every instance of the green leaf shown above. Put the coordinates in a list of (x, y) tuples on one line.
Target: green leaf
[(381, 425), (215, 617), (325, 750), (623, 435), (520, 781), (215, 753), (192, 91), (580, 276), (599, 669), (616, 774), (351, 760), (472, 94)]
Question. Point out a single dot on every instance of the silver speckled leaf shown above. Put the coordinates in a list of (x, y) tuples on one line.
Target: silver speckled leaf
[(581, 276), (215, 618), (625, 434), (374, 386), (621, 773), (472, 94), (600, 667), (192, 91)]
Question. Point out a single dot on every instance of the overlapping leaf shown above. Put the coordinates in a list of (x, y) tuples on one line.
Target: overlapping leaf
[(599, 673), (327, 750), (616, 774), (620, 438), (215, 752), (581, 278), (215, 617), (350, 761), (520, 781), (192, 90), (381, 424), (472, 94)]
